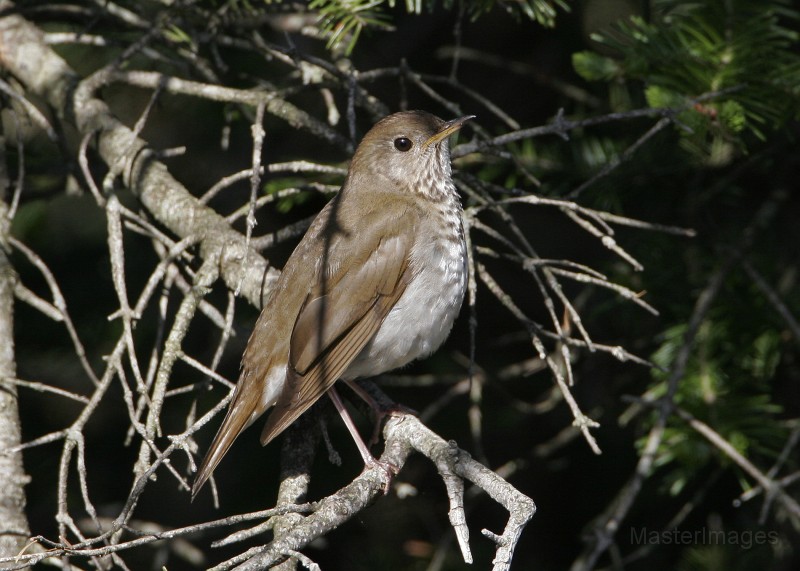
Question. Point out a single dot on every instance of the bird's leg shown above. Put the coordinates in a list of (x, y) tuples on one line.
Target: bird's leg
[(381, 410), (369, 460)]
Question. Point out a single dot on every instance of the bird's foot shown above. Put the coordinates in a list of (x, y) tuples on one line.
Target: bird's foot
[(380, 408), (383, 412), (389, 470)]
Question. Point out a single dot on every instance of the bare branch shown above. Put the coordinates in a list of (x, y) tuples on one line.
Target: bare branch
[(13, 478)]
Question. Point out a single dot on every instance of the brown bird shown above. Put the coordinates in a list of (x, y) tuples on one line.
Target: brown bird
[(375, 283)]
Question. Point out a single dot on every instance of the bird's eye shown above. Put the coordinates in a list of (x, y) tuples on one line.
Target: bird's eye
[(403, 144)]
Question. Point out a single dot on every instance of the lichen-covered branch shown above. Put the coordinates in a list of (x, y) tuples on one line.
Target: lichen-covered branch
[(24, 53), (14, 530)]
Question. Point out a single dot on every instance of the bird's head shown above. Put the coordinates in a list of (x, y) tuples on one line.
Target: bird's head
[(410, 149)]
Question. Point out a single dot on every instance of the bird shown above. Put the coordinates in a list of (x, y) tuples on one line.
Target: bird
[(375, 283)]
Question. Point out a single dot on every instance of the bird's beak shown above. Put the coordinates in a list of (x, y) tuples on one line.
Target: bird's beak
[(447, 129)]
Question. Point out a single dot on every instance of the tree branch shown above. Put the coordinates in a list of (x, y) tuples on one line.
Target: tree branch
[(14, 531), (24, 53), (402, 433)]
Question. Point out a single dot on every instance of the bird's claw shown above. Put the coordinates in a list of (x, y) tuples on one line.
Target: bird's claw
[(389, 470)]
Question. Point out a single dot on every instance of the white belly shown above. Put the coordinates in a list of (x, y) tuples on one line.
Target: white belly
[(423, 316)]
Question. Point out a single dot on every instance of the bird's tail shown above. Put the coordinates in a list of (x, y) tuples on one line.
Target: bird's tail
[(238, 418)]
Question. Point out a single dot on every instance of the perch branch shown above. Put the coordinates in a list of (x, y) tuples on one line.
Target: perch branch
[(403, 433)]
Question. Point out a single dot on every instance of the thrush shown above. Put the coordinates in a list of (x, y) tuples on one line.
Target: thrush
[(376, 282)]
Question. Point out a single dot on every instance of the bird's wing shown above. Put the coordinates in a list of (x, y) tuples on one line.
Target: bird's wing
[(342, 313), (264, 363)]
